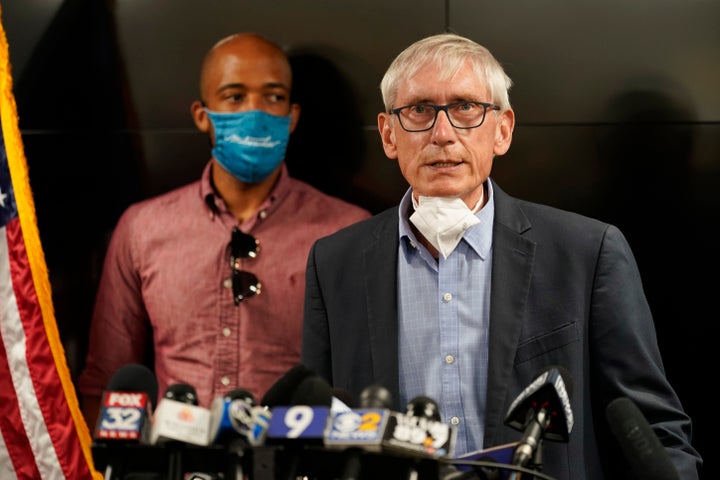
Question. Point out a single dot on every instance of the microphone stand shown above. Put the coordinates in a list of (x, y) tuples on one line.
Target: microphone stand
[(536, 461)]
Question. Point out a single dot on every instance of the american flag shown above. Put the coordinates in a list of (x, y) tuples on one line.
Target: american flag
[(42, 432)]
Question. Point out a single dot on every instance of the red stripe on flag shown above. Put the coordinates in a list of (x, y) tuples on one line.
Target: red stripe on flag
[(11, 426), (41, 365)]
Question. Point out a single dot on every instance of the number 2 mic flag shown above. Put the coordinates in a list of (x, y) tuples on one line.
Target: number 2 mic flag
[(42, 432)]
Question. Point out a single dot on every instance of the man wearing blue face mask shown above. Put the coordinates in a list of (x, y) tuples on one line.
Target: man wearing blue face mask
[(208, 280)]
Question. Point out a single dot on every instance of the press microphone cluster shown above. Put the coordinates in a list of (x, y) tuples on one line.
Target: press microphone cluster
[(301, 421), (137, 434)]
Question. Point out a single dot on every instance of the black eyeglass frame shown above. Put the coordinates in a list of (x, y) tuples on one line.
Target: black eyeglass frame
[(445, 108), (244, 284)]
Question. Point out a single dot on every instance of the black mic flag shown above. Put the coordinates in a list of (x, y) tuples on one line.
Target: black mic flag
[(541, 411)]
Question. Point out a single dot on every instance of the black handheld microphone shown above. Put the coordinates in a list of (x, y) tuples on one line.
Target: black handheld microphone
[(647, 457), (298, 421), (124, 418), (541, 411), (126, 406), (281, 392)]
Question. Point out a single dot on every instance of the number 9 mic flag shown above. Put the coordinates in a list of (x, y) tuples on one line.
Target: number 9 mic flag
[(42, 433)]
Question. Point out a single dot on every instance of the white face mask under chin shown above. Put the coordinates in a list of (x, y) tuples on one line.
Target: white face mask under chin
[(443, 221)]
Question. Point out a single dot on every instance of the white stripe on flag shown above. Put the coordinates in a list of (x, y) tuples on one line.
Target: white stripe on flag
[(6, 468), (13, 336)]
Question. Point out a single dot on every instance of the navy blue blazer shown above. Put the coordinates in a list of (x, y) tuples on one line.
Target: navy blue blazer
[(565, 291)]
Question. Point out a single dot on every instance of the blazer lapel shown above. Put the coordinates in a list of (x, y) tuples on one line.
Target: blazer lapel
[(513, 257)]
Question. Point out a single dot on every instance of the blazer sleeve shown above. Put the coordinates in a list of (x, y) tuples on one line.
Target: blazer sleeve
[(627, 357)]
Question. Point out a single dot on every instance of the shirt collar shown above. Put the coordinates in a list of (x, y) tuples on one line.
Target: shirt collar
[(478, 237), (216, 205)]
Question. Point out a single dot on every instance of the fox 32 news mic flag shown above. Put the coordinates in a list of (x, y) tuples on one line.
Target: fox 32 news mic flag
[(42, 432)]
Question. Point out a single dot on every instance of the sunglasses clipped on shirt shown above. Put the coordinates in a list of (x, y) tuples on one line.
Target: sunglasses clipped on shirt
[(244, 284)]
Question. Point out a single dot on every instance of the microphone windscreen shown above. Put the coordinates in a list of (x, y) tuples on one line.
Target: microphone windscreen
[(240, 394), (376, 396), (183, 393), (424, 407), (280, 393), (134, 377), (647, 457), (313, 391)]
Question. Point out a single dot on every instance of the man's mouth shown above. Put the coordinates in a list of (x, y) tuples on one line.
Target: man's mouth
[(444, 164)]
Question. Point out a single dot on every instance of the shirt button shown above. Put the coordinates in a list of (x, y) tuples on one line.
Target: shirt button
[(447, 297), (455, 421), (227, 283), (449, 359), (226, 332), (225, 381)]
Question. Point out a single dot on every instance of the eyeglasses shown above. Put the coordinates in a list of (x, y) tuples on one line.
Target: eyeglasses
[(420, 117), (244, 283)]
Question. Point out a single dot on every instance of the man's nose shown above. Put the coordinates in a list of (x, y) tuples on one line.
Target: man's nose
[(443, 128)]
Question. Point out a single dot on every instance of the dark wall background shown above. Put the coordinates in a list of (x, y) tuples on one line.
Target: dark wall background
[(617, 102)]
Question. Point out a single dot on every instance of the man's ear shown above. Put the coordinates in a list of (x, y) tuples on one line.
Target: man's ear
[(503, 132), (200, 116), (295, 112), (387, 135)]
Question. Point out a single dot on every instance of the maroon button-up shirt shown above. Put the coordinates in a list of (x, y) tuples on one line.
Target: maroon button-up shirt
[(166, 284)]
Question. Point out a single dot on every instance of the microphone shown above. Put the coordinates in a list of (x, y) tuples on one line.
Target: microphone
[(236, 421), (376, 396), (361, 427), (642, 449), (126, 406), (416, 434), (230, 414), (359, 430), (280, 393), (124, 418), (178, 419), (299, 423), (542, 410), (305, 416), (419, 431)]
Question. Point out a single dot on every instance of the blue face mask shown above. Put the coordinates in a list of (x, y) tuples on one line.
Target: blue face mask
[(250, 145)]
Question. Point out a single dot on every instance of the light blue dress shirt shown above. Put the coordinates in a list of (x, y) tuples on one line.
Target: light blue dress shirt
[(443, 309)]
